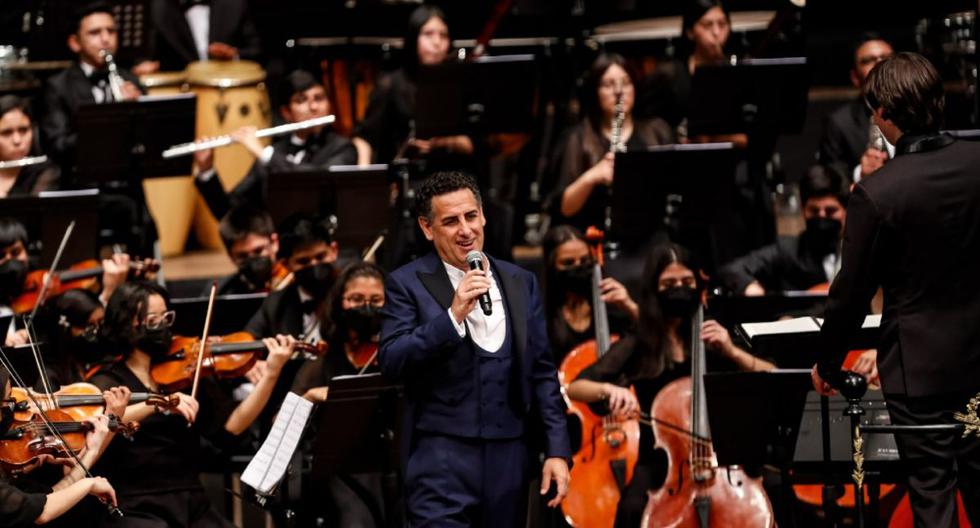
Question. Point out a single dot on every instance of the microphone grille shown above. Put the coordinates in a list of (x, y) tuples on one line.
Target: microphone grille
[(474, 256)]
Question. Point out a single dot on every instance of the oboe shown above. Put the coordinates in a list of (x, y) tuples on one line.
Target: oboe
[(185, 149), (615, 145)]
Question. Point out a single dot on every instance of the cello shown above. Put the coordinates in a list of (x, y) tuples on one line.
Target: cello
[(697, 492), (610, 445)]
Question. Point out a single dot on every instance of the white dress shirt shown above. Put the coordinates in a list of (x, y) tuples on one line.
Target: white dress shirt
[(98, 90), (199, 20), (487, 331)]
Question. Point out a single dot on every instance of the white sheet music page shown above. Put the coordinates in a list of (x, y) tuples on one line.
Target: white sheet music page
[(787, 326), (268, 466)]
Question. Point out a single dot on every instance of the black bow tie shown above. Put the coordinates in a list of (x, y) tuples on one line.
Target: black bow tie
[(98, 77), (309, 306)]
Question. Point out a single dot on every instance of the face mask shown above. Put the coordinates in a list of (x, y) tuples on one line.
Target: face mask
[(256, 271), (316, 279), (86, 349), (823, 233), (363, 320), (577, 280), (678, 301), (12, 275), (154, 342)]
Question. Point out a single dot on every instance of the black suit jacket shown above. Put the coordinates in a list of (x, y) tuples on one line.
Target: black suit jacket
[(914, 230), (326, 150), (791, 263), (281, 313), (63, 94), (173, 43), (845, 138)]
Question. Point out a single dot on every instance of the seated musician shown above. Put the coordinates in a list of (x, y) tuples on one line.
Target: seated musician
[(302, 97), (585, 168), (26, 508), (85, 81), (18, 141), (157, 474), (252, 244), (568, 292), (217, 30), (386, 132), (72, 323), (658, 353), (797, 263), (351, 319)]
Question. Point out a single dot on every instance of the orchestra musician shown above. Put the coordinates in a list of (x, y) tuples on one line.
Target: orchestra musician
[(657, 353), (472, 379), (912, 230), (302, 97), (844, 144), (586, 158), (17, 141), (72, 324), (250, 239), (157, 475), (568, 292)]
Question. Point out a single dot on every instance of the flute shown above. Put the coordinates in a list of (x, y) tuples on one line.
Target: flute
[(185, 149), (22, 162)]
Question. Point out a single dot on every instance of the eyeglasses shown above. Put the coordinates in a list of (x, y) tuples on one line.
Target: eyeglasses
[(359, 300), (158, 321)]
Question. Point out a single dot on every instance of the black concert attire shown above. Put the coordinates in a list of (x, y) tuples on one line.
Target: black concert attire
[(791, 263), (228, 22), (17, 508), (845, 138), (564, 338), (288, 153), (582, 148), (35, 179), (914, 231), (666, 93), (157, 475)]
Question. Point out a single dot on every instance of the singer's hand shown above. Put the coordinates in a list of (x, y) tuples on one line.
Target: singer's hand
[(474, 284), (872, 160)]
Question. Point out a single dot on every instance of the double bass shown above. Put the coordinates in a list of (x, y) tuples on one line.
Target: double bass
[(697, 492), (610, 445)]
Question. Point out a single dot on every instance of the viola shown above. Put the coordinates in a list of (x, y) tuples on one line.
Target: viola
[(697, 492), (26, 441), (226, 357), (83, 275), (78, 400), (608, 442)]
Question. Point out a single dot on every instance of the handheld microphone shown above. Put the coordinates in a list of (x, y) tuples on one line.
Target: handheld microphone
[(475, 261)]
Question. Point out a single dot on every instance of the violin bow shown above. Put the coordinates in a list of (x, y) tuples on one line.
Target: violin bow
[(54, 265), (204, 340), (369, 254)]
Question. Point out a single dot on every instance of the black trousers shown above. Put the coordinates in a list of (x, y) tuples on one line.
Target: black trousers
[(176, 509), (939, 464)]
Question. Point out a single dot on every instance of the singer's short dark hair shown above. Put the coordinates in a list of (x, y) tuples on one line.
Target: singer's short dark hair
[(909, 90), (821, 181), (297, 81), (442, 183)]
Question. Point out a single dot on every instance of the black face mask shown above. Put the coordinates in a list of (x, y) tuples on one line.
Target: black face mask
[(256, 271), (316, 279), (577, 280), (12, 275), (86, 349), (678, 301), (363, 320), (154, 342), (823, 234)]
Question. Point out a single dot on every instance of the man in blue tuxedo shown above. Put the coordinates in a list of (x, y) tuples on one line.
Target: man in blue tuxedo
[(473, 381)]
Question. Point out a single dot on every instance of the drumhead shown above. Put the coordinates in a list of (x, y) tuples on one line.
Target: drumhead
[(163, 79), (224, 74)]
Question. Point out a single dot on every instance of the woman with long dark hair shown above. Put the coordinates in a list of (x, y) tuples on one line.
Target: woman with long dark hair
[(17, 141), (656, 354)]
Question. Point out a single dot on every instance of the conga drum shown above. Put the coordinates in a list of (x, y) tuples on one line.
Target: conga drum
[(171, 200), (230, 95)]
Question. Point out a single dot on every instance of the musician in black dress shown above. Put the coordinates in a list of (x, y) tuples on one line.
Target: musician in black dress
[(17, 141), (568, 293), (585, 163), (657, 353)]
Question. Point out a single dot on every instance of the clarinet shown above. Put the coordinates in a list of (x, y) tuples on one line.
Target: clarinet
[(615, 145), (115, 80)]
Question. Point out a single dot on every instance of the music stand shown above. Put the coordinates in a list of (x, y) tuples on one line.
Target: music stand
[(129, 137), (231, 313), (490, 95), (730, 310), (46, 217), (755, 95), (357, 196), (687, 189)]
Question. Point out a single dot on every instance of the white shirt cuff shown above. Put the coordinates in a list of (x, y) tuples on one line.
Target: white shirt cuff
[(206, 175), (460, 328), (266, 155), (857, 174)]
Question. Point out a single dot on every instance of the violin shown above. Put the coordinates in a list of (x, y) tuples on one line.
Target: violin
[(697, 492), (607, 441), (27, 440), (281, 276), (78, 400), (225, 357), (83, 275)]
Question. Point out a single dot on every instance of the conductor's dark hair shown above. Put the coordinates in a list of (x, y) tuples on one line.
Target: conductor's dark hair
[(592, 81), (302, 230), (910, 92), (12, 231), (418, 18), (820, 181), (245, 220), (297, 81), (127, 304), (86, 9), (442, 183), (13, 102)]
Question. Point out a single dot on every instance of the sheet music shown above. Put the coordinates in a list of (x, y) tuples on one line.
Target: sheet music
[(269, 465), (787, 326)]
